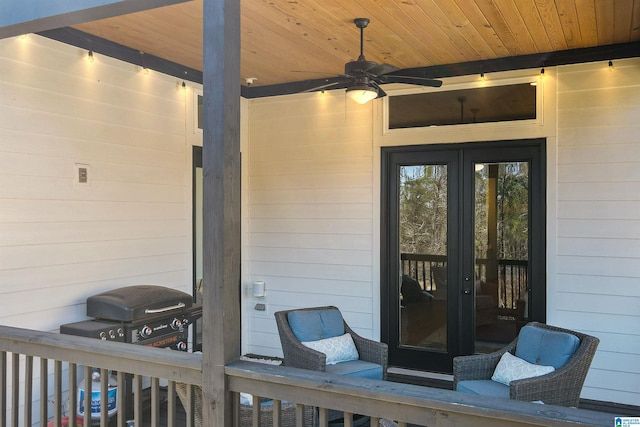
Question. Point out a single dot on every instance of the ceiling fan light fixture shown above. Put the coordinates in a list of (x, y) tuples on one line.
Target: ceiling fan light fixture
[(362, 94)]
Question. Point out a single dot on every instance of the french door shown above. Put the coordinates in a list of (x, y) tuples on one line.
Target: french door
[(463, 248)]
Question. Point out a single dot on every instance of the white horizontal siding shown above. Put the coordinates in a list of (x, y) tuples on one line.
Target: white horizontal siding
[(61, 241), (317, 225), (309, 240), (120, 272), (347, 179), (615, 285), (310, 270), (596, 288), (603, 247), (310, 211), (89, 231), (312, 198), (593, 228)]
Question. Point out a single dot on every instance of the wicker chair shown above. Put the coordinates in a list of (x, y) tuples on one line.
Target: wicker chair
[(298, 356), (560, 387)]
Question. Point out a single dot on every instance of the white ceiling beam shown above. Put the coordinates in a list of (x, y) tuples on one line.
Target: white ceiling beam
[(31, 16)]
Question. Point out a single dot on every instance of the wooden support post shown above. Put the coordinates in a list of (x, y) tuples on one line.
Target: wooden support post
[(221, 204)]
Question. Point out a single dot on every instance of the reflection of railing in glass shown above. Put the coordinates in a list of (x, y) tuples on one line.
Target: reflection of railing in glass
[(512, 276)]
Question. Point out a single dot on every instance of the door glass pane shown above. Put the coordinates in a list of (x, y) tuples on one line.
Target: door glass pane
[(423, 260), (501, 252)]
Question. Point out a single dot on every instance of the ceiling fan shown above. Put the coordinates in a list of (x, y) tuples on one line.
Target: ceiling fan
[(363, 78)]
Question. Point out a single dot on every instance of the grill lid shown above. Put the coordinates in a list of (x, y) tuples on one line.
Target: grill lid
[(137, 302)]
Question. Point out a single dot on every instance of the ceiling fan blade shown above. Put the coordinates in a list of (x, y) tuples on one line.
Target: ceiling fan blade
[(381, 93), (381, 69), (328, 84), (420, 81)]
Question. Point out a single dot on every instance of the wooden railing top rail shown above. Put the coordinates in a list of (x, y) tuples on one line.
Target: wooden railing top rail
[(404, 402), (143, 360)]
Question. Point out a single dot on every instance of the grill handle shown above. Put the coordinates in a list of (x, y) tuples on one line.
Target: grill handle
[(163, 309)]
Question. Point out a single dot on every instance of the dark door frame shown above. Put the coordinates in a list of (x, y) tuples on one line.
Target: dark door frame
[(460, 245), (196, 162), (389, 261)]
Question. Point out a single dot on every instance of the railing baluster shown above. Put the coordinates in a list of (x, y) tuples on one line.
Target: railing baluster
[(104, 397), (189, 406), (3, 388), (87, 396), (256, 411), (348, 419), (236, 409), (28, 389), (300, 416), (323, 417), (276, 412), (73, 392), (15, 386), (155, 401), (44, 388), (57, 392), (121, 415), (171, 404), (137, 400)]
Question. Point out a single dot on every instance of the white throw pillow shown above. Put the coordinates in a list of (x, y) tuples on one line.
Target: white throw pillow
[(511, 368), (338, 349)]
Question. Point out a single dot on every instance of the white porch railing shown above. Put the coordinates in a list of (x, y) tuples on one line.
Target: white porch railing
[(49, 361)]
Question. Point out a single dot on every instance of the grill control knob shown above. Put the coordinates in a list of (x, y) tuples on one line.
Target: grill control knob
[(145, 331), (112, 334), (120, 332), (182, 346), (176, 324), (103, 335)]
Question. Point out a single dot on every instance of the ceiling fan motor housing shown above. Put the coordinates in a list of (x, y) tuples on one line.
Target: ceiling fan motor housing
[(354, 68), (360, 81)]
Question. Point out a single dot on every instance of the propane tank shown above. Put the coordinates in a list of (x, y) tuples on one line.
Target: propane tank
[(112, 393)]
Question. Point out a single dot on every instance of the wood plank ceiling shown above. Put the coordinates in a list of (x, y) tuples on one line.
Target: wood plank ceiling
[(291, 40)]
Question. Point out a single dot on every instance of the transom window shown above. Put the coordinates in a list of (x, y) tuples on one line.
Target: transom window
[(455, 107)]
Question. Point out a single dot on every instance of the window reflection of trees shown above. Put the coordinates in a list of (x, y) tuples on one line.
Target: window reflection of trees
[(423, 210)]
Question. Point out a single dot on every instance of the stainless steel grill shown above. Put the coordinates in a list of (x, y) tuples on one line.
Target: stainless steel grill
[(149, 315), (144, 314)]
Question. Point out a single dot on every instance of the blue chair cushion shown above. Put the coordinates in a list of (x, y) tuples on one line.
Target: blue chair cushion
[(484, 388), (545, 347), (357, 368), (313, 325)]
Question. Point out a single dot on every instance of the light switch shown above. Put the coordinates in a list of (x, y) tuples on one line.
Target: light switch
[(83, 176)]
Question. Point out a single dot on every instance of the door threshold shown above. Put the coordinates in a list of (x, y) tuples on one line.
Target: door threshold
[(422, 374), (423, 378)]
